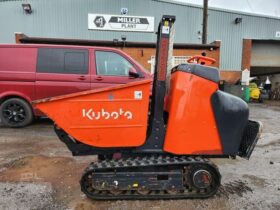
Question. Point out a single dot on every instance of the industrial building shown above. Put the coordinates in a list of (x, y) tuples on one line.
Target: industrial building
[(236, 40)]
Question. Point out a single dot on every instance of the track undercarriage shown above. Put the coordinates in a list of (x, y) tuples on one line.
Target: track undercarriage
[(147, 176), (151, 177)]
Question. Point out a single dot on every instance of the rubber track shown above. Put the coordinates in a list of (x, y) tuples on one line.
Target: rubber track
[(145, 162)]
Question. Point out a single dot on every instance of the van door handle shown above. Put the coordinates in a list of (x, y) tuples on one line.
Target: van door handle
[(82, 78), (99, 78)]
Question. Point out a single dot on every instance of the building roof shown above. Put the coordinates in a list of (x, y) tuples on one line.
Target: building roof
[(219, 9), (198, 6)]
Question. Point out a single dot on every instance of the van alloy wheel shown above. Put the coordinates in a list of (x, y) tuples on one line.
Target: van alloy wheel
[(16, 112)]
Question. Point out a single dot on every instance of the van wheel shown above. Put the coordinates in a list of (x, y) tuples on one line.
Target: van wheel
[(16, 113)]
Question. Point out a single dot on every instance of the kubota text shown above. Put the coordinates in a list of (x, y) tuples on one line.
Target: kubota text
[(97, 115)]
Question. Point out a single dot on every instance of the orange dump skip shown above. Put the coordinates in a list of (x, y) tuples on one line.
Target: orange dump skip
[(108, 117)]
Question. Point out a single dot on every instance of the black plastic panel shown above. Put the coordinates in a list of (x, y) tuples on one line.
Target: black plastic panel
[(231, 115), (150, 179), (250, 138), (205, 72)]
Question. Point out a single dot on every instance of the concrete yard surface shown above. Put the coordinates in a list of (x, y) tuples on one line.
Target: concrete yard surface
[(38, 172)]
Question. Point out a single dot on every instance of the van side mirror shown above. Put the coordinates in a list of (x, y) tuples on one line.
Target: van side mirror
[(133, 73)]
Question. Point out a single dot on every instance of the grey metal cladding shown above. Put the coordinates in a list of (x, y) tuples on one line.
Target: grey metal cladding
[(69, 19)]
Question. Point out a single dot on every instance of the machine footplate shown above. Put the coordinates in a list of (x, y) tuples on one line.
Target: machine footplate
[(151, 177)]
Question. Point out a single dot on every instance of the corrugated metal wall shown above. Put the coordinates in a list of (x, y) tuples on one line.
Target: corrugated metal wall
[(68, 19), (222, 27), (266, 55)]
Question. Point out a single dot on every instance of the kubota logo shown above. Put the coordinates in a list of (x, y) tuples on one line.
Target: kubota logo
[(97, 115)]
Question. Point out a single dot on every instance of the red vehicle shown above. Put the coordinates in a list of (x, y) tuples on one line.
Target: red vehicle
[(31, 72)]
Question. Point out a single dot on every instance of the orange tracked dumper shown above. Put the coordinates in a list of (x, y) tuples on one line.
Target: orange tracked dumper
[(155, 148)]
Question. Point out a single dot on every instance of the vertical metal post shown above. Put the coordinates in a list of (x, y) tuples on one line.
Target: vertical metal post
[(205, 22), (156, 129), (162, 63)]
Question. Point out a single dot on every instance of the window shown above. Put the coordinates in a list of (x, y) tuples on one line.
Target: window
[(63, 61), (110, 63)]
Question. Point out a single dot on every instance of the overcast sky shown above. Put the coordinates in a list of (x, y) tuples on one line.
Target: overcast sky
[(265, 7)]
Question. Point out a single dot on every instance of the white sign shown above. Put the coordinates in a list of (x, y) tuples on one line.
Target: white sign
[(120, 23), (165, 29), (138, 94), (277, 34)]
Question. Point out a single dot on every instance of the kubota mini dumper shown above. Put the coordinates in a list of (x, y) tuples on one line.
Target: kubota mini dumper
[(162, 152)]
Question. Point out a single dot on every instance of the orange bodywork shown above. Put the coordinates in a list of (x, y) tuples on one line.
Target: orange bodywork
[(109, 117), (203, 60), (191, 127)]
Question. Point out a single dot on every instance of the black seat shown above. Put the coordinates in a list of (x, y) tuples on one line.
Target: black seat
[(206, 72)]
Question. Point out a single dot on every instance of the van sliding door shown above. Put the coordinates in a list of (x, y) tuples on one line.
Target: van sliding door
[(61, 71)]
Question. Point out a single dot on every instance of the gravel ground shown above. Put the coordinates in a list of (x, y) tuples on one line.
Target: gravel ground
[(38, 172), (24, 196)]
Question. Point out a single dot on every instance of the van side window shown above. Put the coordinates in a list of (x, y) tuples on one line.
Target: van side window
[(110, 63), (62, 61)]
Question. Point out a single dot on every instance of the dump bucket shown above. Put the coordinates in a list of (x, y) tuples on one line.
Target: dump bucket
[(109, 117)]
